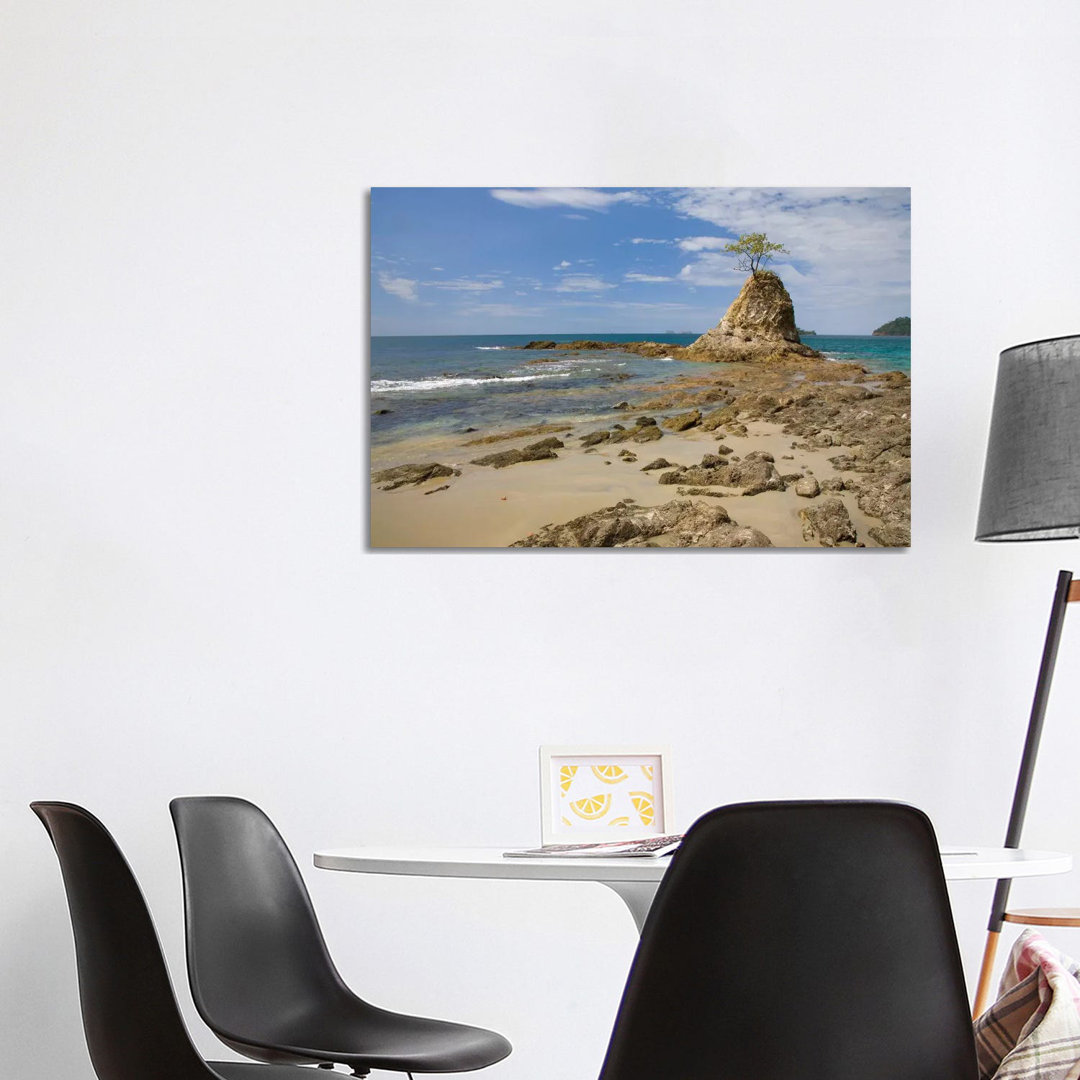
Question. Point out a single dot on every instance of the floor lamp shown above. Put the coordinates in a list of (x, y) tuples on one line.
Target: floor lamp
[(1031, 491)]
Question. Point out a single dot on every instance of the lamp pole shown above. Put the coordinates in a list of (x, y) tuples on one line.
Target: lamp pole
[(1065, 592)]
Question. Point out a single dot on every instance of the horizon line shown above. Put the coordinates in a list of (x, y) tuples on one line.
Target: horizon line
[(587, 334)]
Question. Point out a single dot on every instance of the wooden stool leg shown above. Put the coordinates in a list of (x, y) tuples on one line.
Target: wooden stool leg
[(982, 992)]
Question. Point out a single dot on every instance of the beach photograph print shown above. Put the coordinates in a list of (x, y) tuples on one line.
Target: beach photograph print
[(640, 368)]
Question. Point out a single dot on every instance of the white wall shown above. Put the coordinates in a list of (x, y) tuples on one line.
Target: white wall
[(187, 604)]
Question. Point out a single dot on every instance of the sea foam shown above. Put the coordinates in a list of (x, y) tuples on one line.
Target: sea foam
[(449, 382)]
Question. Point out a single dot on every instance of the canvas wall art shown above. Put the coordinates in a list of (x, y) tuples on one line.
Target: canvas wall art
[(640, 368)]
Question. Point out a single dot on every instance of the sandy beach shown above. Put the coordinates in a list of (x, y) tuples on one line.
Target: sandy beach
[(807, 419)]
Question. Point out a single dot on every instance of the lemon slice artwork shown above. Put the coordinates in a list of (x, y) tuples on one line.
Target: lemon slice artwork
[(624, 820), (609, 774), (592, 808), (566, 777), (643, 804), (647, 771)]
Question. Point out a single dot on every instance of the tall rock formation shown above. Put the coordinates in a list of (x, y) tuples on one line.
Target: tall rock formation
[(759, 325)]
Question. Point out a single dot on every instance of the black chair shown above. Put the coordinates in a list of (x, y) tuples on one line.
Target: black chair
[(133, 1026), (798, 941), (258, 966)]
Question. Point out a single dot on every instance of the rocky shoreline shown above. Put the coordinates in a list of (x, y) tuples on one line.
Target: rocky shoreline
[(859, 419), (795, 444)]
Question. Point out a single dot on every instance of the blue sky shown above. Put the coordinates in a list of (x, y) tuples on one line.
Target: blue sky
[(628, 260)]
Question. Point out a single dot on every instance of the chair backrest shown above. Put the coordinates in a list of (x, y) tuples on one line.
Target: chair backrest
[(132, 1022), (798, 941), (255, 952)]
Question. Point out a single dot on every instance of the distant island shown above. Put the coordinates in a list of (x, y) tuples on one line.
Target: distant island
[(898, 327), (806, 333)]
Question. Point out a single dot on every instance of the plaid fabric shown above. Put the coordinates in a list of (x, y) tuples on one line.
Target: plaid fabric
[(1032, 1031)]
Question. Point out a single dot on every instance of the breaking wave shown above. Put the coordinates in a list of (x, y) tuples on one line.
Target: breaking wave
[(449, 382)]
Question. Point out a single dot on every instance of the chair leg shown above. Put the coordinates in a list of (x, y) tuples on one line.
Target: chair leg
[(983, 990)]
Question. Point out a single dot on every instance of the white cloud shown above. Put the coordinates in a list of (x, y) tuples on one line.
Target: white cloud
[(437, 269), (633, 275), (582, 283), (714, 268), (503, 311), (576, 198), (465, 285), (398, 286), (711, 269), (577, 217), (661, 305), (851, 245), (646, 240), (702, 243), (562, 266)]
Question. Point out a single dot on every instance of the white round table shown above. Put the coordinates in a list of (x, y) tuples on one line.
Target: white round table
[(636, 879)]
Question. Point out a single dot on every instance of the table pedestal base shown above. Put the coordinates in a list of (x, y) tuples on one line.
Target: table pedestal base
[(637, 896)]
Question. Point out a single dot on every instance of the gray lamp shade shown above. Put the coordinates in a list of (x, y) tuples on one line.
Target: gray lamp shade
[(1031, 485)]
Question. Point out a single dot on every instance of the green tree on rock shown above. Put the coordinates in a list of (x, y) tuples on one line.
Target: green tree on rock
[(753, 250)]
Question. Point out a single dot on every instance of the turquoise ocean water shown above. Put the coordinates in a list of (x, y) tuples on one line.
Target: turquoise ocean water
[(442, 385)]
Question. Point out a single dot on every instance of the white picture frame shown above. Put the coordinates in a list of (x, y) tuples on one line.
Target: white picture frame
[(590, 794)]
